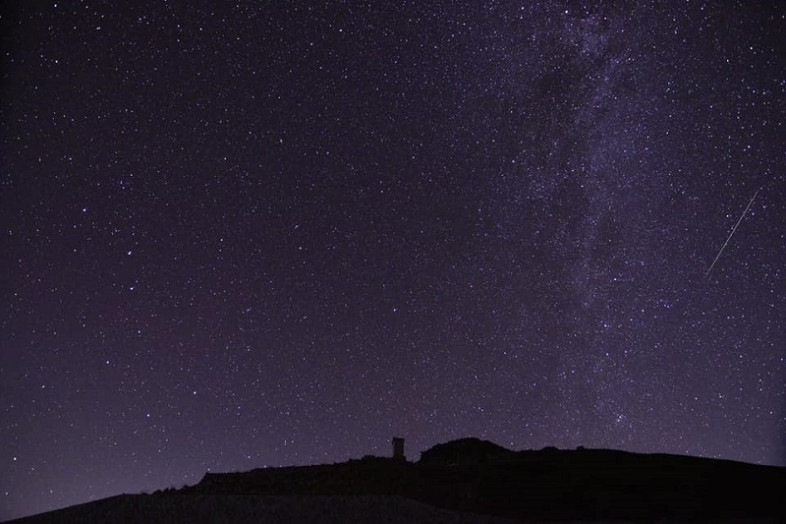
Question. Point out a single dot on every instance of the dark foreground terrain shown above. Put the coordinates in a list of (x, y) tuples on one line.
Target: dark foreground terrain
[(466, 481)]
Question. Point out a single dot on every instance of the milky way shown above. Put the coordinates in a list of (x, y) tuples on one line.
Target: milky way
[(278, 233)]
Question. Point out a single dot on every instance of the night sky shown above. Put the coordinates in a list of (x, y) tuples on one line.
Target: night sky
[(273, 233)]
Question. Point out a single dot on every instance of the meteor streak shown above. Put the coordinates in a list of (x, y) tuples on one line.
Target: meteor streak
[(731, 234)]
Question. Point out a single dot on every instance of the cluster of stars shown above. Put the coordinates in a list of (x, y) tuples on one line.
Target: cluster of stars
[(251, 235)]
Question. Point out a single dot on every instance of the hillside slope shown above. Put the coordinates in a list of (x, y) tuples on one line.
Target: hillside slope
[(464, 481)]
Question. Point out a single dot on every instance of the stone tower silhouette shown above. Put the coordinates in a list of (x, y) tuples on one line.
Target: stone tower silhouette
[(398, 448)]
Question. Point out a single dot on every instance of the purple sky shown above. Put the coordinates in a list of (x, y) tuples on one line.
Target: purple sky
[(279, 233)]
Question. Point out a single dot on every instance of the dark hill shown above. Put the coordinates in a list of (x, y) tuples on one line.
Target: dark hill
[(465, 452), (463, 481)]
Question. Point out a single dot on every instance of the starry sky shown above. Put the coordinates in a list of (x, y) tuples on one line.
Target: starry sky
[(265, 233)]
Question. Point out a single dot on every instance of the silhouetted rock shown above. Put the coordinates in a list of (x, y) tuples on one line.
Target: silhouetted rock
[(465, 452)]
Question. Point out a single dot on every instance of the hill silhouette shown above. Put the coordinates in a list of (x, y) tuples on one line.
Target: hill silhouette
[(467, 480)]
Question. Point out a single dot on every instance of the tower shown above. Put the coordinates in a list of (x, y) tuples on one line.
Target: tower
[(398, 449)]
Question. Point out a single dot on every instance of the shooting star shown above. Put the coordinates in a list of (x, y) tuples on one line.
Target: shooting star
[(732, 233)]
